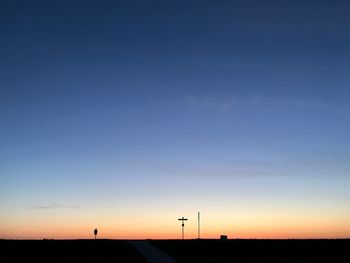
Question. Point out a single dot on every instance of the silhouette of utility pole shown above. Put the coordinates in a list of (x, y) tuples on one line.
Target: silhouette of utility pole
[(183, 225)]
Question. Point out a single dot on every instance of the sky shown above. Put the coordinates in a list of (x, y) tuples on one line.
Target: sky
[(127, 115)]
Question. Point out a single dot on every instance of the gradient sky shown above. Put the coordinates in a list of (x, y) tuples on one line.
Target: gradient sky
[(126, 115)]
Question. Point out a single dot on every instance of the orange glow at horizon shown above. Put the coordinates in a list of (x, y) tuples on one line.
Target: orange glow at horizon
[(167, 227)]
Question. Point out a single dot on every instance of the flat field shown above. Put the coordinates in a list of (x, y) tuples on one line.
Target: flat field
[(257, 250), (209, 250), (68, 251)]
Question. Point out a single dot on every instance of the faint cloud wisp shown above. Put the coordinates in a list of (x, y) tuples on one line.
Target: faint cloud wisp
[(55, 206), (222, 104)]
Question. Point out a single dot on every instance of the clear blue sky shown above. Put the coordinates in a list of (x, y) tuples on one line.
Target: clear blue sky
[(239, 109)]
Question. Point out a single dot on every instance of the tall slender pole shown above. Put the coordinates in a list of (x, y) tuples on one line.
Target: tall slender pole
[(199, 226), (183, 226), (183, 230)]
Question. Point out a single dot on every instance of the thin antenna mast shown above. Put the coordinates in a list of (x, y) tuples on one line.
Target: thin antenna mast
[(199, 226)]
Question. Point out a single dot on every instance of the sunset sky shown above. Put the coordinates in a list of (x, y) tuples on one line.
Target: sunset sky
[(126, 115)]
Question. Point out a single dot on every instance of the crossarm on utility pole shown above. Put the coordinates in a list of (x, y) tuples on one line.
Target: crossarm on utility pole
[(183, 225)]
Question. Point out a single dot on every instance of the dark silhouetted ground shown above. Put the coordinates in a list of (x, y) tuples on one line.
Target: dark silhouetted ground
[(68, 251), (256, 250), (183, 251)]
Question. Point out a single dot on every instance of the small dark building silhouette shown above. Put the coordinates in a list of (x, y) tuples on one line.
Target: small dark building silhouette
[(223, 237)]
